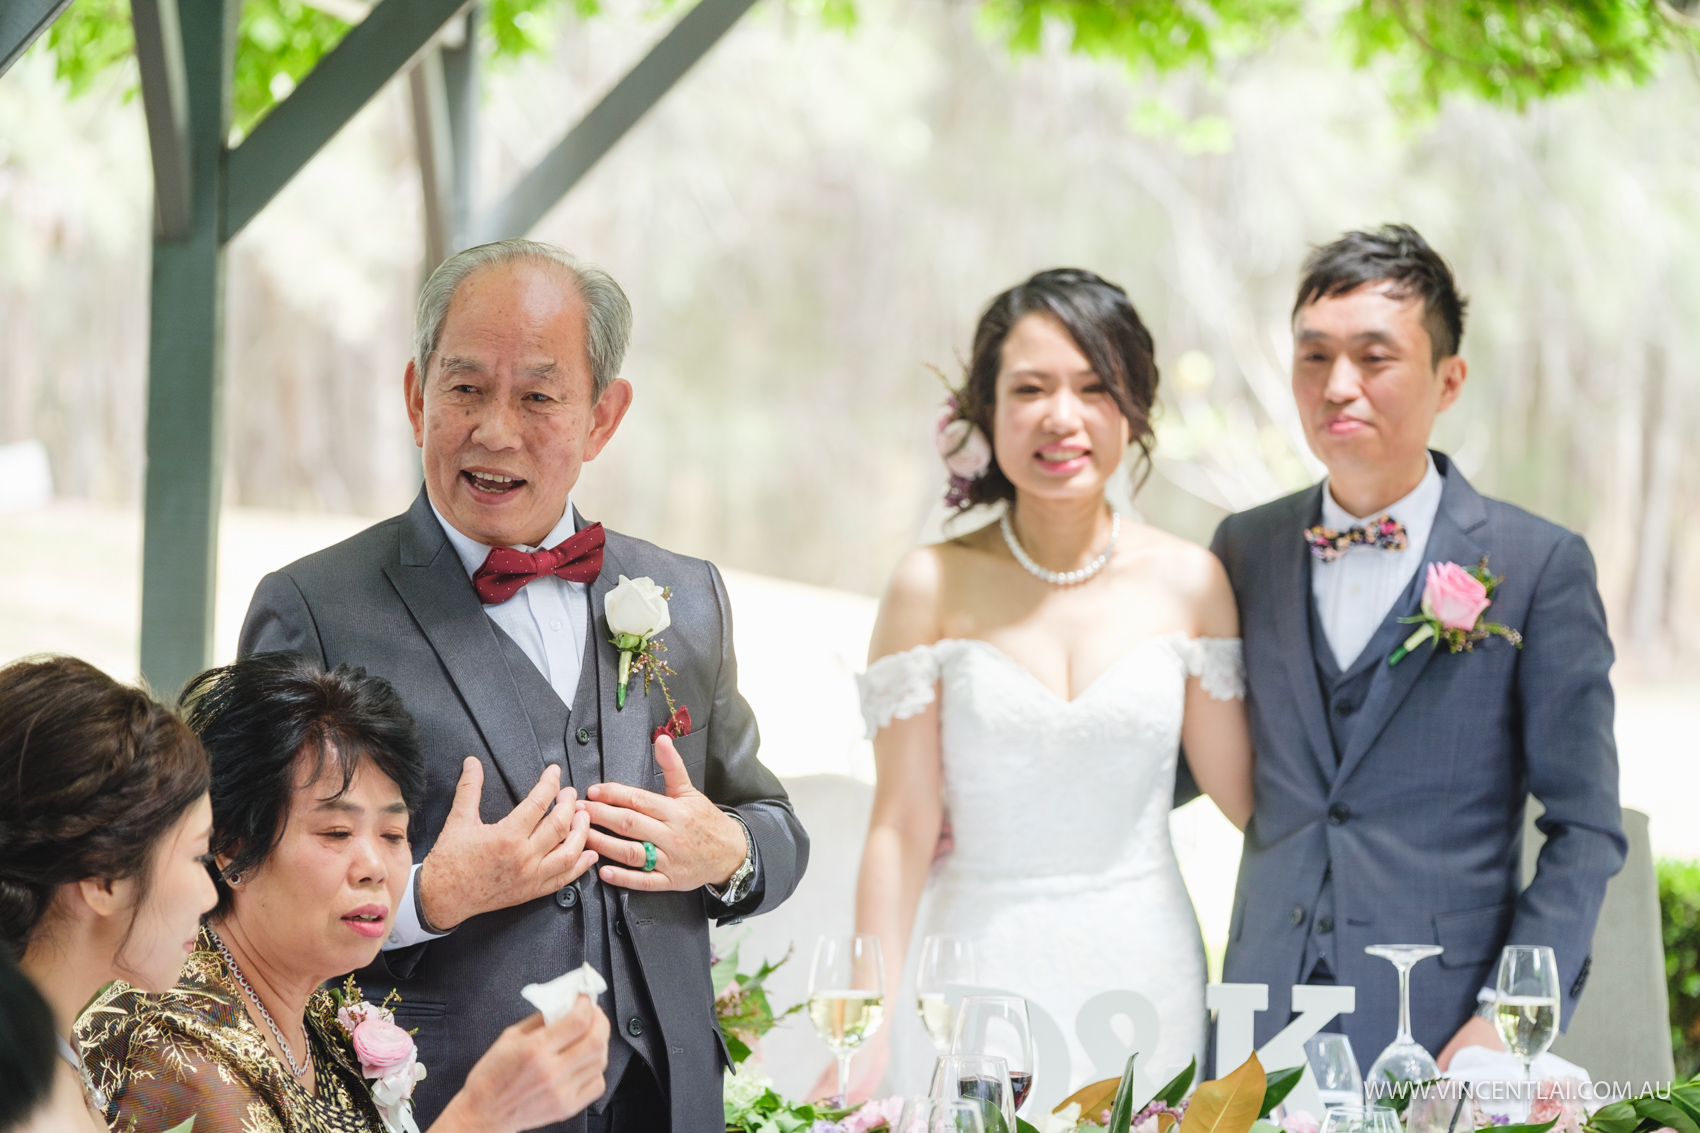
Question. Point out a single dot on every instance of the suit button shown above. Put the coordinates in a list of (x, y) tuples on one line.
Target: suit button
[(634, 1026), (1297, 916), (1345, 708), (567, 897), (1324, 925), (1338, 814), (620, 926), (582, 735)]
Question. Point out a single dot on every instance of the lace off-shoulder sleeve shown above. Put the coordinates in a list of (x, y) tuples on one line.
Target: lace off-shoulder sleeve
[(1219, 665), (897, 686)]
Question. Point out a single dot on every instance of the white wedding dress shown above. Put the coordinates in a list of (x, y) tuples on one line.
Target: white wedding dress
[(1062, 874)]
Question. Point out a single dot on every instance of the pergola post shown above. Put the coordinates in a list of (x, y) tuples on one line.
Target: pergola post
[(185, 425)]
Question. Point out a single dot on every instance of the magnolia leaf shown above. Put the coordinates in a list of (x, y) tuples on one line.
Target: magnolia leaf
[(1687, 1101), (1093, 1099), (1022, 1126), (1172, 1093), (1618, 1117), (1666, 1114), (188, 1126), (1166, 1122), (1277, 1085), (1121, 1111), (1228, 1105)]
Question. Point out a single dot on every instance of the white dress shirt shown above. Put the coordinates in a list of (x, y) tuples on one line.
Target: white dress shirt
[(548, 619), (1354, 592)]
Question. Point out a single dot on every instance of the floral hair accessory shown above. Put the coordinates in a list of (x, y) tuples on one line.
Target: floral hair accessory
[(1454, 600), (966, 452), (386, 1053)]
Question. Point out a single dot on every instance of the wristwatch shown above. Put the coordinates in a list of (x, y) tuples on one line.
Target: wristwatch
[(743, 878)]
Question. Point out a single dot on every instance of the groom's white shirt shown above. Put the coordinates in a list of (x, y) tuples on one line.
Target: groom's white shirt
[(1354, 592), (548, 619)]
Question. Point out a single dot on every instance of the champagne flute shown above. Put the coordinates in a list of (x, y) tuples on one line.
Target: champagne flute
[(997, 1025), (1526, 1002), (944, 960), (1404, 1060), (846, 997), (1336, 1068), (980, 1079)]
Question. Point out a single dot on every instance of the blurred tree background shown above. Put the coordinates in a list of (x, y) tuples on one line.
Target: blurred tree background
[(823, 205)]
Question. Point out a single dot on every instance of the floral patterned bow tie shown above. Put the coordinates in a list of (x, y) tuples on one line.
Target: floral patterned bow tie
[(1384, 532)]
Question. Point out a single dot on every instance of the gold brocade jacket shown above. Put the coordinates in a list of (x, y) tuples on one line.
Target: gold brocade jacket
[(195, 1052)]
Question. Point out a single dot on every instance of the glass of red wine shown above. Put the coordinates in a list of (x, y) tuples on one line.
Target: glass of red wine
[(996, 1026)]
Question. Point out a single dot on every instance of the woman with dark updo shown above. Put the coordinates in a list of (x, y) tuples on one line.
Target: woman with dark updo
[(104, 821), (314, 777), (1032, 681)]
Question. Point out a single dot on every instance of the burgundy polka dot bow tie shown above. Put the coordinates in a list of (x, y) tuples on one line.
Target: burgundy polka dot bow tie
[(1384, 532), (577, 558)]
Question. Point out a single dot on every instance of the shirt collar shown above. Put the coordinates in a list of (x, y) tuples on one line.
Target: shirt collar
[(473, 553), (1416, 510)]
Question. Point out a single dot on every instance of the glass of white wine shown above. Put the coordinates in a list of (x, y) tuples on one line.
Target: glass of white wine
[(944, 960), (1525, 1006), (846, 997)]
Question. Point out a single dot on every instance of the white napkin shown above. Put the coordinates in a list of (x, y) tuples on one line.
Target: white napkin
[(1478, 1065), (557, 997)]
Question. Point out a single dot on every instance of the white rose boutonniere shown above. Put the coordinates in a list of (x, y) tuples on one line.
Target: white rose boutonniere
[(637, 612)]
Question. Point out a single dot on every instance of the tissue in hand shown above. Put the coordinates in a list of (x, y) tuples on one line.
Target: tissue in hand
[(557, 997)]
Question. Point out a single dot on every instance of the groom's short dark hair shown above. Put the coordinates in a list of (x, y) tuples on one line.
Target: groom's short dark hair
[(1396, 254)]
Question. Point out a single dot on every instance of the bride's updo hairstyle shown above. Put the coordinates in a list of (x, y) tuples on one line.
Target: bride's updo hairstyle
[(1106, 329), (92, 774)]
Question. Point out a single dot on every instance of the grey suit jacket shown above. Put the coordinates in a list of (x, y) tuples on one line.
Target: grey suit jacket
[(396, 600), (1421, 821)]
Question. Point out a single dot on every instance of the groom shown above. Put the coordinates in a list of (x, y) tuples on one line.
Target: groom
[(1389, 797), (484, 605)]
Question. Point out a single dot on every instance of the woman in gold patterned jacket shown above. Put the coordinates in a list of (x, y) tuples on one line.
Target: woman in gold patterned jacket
[(314, 775)]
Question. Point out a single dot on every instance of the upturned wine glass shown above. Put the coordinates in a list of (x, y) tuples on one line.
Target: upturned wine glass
[(1404, 1060), (944, 960), (1526, 1004), (846, 997), (997, 1025)]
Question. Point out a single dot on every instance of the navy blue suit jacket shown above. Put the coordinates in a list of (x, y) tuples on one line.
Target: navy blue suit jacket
[(1427, 802)]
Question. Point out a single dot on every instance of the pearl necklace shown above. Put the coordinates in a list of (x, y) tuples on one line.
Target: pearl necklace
[(242, 982), (1067, 577)]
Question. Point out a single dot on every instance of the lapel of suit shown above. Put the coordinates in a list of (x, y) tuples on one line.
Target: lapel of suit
[(434, 587), (1291, 567), (625, 731), (1456, 524)]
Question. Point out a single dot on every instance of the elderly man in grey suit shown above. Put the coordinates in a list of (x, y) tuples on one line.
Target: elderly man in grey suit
[(1390, 797), (485, 604)]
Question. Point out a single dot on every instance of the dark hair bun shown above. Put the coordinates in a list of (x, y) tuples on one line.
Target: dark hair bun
[(96, 772)]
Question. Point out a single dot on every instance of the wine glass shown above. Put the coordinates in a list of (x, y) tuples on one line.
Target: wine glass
[(981, 1079), (1404, 1060), (1360, 1119), (846, 997), (1525, 1006), (944, 960), (997, 1025), (934, 1115), (1336, 1070)]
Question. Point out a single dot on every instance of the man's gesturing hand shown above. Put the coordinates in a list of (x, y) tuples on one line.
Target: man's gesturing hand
[(696, 843), (474, 868)]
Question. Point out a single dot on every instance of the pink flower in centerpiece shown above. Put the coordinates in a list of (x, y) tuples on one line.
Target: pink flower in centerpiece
[(1299, 1121), (380, 1045), (1560, 1100), (874, 1114), (1453, 596)]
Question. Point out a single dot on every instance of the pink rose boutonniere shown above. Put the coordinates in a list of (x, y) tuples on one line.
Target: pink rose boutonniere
[(387, 1056), (1454, 600)]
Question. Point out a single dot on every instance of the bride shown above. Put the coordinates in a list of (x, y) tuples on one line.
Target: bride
[(1030, 684)]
